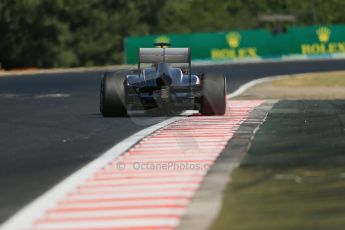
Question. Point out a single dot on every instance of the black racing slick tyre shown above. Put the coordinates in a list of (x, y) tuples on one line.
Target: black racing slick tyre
[(113, 95), (213, 101)]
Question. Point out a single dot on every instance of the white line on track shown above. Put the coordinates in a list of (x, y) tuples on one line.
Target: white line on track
[(161, 223), (253, 83)]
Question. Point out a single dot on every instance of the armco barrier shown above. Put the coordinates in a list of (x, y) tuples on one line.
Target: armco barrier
[(249, 44)]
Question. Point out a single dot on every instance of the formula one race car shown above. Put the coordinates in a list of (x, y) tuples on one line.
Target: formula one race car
[(162, 86)]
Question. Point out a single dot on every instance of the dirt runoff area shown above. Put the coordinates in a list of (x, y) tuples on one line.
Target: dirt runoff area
[(313, 86)]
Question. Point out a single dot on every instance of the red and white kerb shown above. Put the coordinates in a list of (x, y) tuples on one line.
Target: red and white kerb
[(149, 186)]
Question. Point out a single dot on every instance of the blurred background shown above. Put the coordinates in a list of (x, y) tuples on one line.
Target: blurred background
[(64, 33)]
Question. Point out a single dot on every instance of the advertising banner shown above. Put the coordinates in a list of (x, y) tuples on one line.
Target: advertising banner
[(249, 44)]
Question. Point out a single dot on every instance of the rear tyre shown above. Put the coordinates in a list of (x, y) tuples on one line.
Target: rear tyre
[(112, 95), (213, 101)]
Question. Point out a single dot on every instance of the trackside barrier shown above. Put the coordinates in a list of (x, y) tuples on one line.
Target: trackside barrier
[(305, 42)]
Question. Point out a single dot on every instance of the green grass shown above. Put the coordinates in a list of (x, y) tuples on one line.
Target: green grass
[(327, 79), (293, 176)]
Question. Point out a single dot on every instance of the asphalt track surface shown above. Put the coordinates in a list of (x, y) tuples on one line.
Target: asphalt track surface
[(50, 125)]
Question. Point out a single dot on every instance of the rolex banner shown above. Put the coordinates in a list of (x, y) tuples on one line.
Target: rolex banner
[(249, 44)]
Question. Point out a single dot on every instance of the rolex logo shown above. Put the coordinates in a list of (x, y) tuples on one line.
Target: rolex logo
[(324, 34), (233, 39)]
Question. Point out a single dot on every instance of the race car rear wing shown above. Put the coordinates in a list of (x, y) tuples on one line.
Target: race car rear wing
[(167, 55), (164, 55)]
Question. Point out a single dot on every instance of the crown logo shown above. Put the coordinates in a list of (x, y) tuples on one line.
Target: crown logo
[(323, 33), (163, 38), (233, 39)]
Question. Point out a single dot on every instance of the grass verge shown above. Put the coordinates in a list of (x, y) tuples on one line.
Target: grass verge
[(325, 85), (293, 176), (324, 79)]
